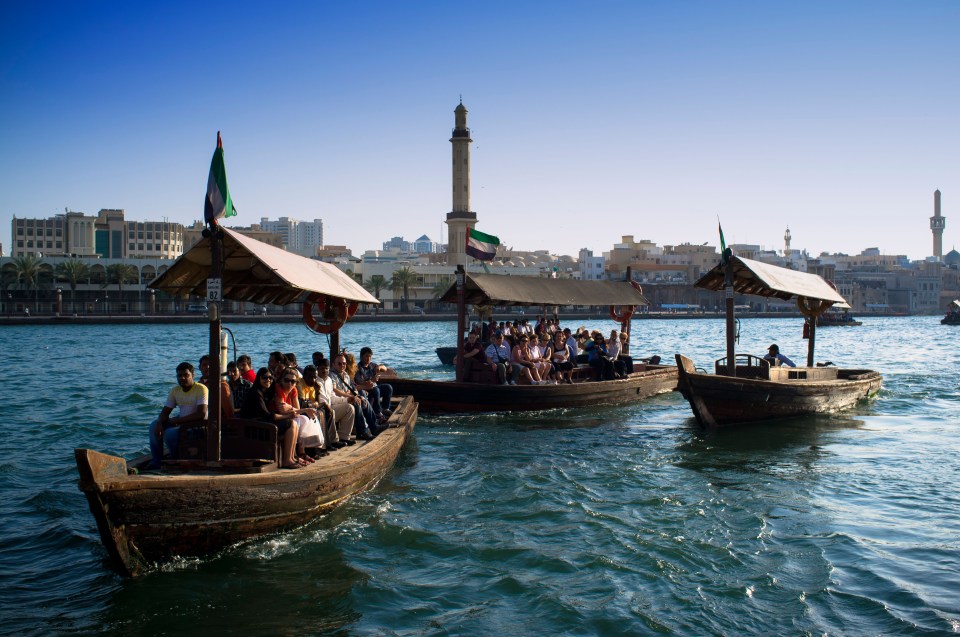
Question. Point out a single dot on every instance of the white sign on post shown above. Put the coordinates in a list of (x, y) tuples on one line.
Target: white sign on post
[(214, 290)]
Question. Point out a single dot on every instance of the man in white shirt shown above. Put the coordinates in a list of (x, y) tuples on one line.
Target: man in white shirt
[(343, 412)]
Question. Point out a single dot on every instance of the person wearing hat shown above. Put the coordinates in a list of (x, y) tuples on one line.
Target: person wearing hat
[(776, 358)]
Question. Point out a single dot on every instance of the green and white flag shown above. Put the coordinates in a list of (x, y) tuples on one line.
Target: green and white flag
[(481, 246), (217, 203)]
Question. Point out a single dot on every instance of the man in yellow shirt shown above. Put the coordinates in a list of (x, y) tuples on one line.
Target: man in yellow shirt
[(191, 399)]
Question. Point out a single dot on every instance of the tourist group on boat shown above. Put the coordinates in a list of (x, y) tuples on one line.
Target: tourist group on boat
[(316, 410), (544, 354)]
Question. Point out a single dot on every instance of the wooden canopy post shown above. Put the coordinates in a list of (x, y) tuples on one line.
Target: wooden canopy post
[(334, 345), (627, 325), (812, 309), (731, 319), (461, 280), (215, 282)]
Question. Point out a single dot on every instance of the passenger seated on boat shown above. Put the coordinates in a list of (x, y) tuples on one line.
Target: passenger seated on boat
[(774, 357), (245, 365), (191, 399), (286, 400), (540, 355), (523, 367), (343, 386), (256, 406), (276, 363), (498, 358), (560, 357), (316, 357), (584, 342), (613, 347), (599, 358), (239, 386), (367, 378), (472, 354), (226, 399), (292, 362), (625, 352), (311, 396), (343, 414)]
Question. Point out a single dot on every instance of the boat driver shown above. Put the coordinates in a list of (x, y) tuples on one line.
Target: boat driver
[(776, 358)]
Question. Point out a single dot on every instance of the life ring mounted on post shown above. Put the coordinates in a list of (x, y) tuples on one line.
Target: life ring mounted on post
[(333, 311)]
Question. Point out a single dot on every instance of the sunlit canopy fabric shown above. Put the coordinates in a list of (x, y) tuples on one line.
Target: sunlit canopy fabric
[(498, 289), (762, 279), (256, 272)]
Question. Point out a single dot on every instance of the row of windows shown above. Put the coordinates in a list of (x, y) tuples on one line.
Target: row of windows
[(150, 235), (49, 245), (140, 247), (39, 232)]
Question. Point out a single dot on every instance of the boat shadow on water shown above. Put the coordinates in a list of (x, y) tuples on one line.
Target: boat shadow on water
[(751, 448)]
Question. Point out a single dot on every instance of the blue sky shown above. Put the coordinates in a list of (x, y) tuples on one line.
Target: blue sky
[(589, 120)]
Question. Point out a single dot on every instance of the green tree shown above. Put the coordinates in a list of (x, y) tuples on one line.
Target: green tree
[(375, 284), (27, 272), (73, 271), (401, 281), (120, 273)]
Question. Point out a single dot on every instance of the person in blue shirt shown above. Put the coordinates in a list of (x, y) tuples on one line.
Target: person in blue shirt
[(776, 358)]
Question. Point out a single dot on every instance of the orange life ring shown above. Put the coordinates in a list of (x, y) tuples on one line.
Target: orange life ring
[(628, 311), (334, 311)]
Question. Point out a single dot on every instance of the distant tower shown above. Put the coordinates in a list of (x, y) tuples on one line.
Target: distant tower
[(460, 218), (786, 243), (937, 224)]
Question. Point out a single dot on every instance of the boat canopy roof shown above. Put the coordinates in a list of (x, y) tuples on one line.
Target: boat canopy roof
[(955, 304), (763, 279), (499, 289), (257, 272)]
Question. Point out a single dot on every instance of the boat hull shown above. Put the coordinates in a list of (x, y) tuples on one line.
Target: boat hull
[(449, 396), (144, 519), (724, 400), (446, 355)]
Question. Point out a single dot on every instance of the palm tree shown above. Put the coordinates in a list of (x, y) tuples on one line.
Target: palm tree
[(27, 272), (374, 284), (120, 273), (401, 280), (73, 271)]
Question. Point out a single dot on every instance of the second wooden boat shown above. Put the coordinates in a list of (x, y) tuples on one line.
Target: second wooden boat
[(745, 388)]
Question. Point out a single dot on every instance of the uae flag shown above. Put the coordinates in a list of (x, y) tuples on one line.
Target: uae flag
[(218, 203), (481, 246)]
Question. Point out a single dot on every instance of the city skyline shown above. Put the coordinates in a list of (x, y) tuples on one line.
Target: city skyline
[(589, 122)]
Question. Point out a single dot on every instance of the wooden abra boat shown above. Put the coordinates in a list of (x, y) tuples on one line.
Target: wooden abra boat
[(192, 510), (226, 484), (837, 319), (953, 314), (480, 393), (752, 390)]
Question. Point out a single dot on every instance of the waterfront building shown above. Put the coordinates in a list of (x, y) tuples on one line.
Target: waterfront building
[(193, 234), (590, 267), (300, 237), (107, 235)]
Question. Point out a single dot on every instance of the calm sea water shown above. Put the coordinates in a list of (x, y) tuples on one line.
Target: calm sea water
[(612, 521)]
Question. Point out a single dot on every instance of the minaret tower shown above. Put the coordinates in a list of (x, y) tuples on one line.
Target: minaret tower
[(460, 218), (786, 243), (937, 224)]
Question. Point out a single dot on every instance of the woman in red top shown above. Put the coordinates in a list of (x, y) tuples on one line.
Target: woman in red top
[(286, 401)]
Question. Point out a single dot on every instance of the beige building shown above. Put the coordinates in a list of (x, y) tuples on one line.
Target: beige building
[(106, 236), (192, 235)]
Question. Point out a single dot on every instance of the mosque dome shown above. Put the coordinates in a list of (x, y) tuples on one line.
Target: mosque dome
[(952, 258)]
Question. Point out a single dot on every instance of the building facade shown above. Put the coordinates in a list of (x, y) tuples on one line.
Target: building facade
[(299, 237), (107, 236)]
